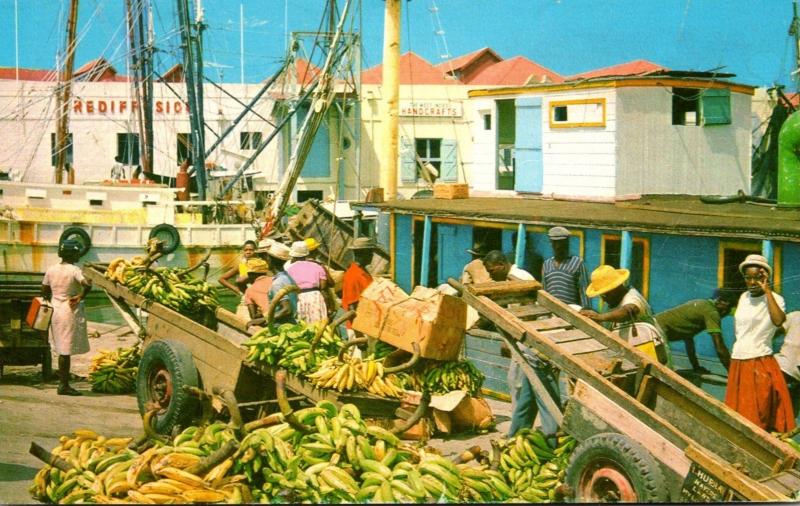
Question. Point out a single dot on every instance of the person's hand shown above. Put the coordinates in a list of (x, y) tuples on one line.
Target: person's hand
[(590, 313), (763, 279), (75, 300)]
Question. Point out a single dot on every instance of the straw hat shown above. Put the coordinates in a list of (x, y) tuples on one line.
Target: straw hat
[(558, 233), (757, 261), (478, 249), (605, 278), (257, 265), (311, 243), (279, 251), (264, 245), (299, 249), (362, 243)]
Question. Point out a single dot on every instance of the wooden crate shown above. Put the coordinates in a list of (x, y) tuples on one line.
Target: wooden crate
[(451, 191)]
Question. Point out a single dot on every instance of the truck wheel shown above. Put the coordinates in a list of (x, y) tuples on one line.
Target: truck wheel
[(166, 367), (168, 234), (613, 468), (77, 234)]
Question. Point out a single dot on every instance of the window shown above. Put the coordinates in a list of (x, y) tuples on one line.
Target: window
[(128, 148), (487, 121), (53, 149), (429, 151), (685, 109), (184, 147), (506, 138), (731, 254), (715, 106), (303, 195), (249, 140), (640, 260), (588, 112)]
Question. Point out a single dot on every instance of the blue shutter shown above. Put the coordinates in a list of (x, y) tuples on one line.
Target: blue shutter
[(318, 161), (408, 161), (449, 155), (715, 107), (529, 173), (453, 243)]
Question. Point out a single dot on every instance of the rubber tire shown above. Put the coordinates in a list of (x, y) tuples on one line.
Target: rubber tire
[(642, 470), (172, 239), (78, 234), (177, 359)]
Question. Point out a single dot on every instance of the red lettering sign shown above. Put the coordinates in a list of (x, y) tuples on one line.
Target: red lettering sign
[(101, 106)]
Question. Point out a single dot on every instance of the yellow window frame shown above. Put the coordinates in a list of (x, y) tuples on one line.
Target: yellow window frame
[(756, 247), (645, 242), (601, 101)]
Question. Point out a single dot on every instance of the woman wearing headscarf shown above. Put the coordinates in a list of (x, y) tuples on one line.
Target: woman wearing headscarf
[(65, 287), (756, 387), (312, 279)]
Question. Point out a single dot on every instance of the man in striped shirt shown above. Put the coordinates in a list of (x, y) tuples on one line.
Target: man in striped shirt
[(564, 275)]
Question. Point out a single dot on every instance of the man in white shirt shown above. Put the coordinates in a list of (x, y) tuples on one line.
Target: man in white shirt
[(789, 357), (756, 387)]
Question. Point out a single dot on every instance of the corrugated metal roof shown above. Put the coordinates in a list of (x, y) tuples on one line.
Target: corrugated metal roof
[(516, 71), (413, 70), (665, 214)]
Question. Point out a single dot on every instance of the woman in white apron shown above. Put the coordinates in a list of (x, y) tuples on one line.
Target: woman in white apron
[(65, 287)]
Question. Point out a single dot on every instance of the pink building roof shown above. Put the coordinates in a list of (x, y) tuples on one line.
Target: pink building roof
[(517, 71), (10, 73), (631, 68), (413, 70)]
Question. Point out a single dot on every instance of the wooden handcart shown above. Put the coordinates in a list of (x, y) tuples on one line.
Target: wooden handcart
[(19, 343), (646, 434)]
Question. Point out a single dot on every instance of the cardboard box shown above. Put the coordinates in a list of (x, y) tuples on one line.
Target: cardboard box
[(472, 413), (433, 320), (450, 191)]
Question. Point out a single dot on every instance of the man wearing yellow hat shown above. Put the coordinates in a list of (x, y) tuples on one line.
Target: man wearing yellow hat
[(627, 307)]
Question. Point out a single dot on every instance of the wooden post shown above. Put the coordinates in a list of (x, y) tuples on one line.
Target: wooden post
[(424, 271), (63, 95), (625, 250), (519, 259), (768, 251), (391, 97)]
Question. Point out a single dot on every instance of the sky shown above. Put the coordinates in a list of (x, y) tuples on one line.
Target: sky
[(749, 39)]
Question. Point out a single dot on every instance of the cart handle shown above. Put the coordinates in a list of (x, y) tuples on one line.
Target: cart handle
[(283, 403), (348, 344), (416, 415), (286, 290), (334, 324), (407, 365)]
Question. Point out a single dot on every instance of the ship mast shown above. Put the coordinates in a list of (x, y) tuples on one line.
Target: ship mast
[(391, 97), (63, 95), (794, 31)]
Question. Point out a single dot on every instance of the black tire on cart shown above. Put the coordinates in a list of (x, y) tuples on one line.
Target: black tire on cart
[(613, 468), (166, 367), (168, 234), (79, 235)]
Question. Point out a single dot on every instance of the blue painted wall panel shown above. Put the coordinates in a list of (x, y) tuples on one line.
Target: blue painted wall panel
[(318, 163), (529, 170), (453, 243), (790, 274), (403, 251)]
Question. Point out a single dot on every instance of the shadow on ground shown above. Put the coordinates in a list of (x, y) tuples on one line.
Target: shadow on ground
[(16, 472)]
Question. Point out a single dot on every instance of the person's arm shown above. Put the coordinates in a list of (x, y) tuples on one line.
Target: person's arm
[(582, 284), (284, 309), (47, 292), (619, 315), (692, 354), (223, 280), (776, 314), (722, 350)]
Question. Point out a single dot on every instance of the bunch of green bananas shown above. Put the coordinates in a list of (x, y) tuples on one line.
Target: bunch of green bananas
[(382, 350), (482, 484), (355, 374), (443, 377), (533, 467), (114, 372), (289, 345)]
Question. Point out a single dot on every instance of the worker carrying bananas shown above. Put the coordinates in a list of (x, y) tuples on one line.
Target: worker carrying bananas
[(65, 287)]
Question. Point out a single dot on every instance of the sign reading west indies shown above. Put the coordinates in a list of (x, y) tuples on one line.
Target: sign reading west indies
[(430, 108)]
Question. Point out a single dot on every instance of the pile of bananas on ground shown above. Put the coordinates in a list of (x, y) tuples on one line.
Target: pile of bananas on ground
[(443, 377), (533, 468), (336, 458), (289, 346), (355, 373), (175, 288), (114, 372)]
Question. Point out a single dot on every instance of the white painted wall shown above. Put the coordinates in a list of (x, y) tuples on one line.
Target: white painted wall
[(656, 157), (484, 145)]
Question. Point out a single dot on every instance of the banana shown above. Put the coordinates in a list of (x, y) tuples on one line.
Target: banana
[(182, 476), (203, 496)]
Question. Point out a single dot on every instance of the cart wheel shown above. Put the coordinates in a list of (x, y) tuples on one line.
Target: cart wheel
[(613, 468), (167, 233), (166, 367)]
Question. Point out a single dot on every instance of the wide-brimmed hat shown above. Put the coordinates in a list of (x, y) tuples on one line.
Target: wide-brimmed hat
[(299, 249), (757, 261), (558, 233), (605, 278), (311, 243), (362, 243), (478, 249), (264, 245), (279, 251), (257, 265)]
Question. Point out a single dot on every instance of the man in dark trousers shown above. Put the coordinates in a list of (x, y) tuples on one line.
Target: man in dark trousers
[(684, 322), (564, 275)]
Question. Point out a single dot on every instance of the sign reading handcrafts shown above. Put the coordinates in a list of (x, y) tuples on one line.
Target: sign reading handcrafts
[(430, 108)]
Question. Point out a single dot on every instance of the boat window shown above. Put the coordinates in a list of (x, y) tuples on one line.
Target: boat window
[(685, 110), (731, 254), (128, 148), (184, 147), (640, 260), (53, 149), (560, 113), (506, 138), (249, 140)]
